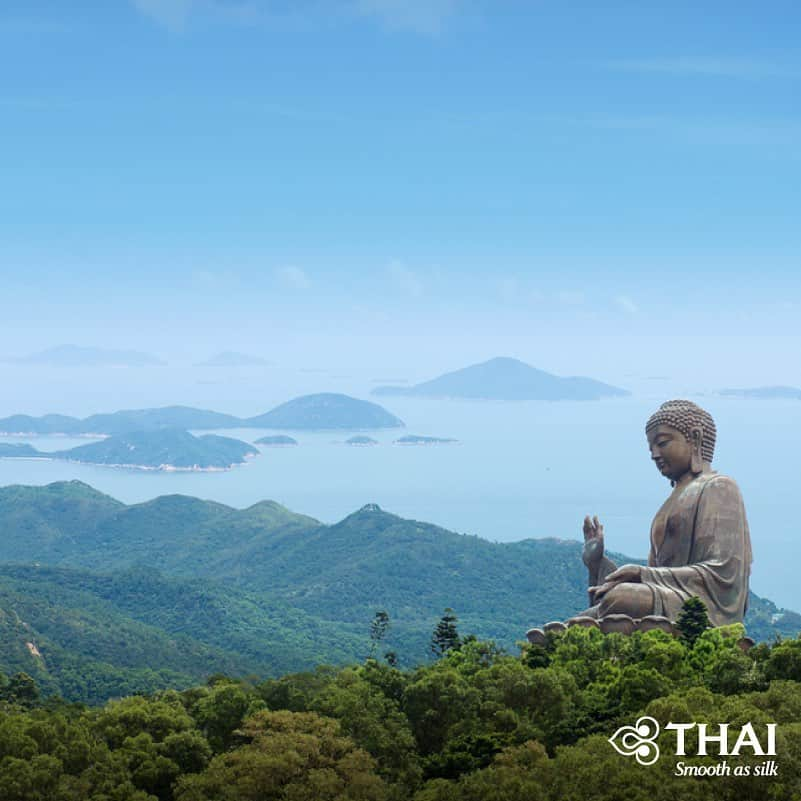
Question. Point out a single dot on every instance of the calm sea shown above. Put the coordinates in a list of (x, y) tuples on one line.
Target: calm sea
[(519, 470)]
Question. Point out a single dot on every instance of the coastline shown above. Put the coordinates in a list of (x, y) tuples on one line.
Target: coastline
[(163, 468)]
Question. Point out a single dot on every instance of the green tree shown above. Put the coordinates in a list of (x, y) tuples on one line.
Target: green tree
[(516, 774), (446, 635), (440, 704), (130, 717), (290, 756), (374, 721), (378, 630), (693, 620), (21, 689), (784, 661), (222, 711)]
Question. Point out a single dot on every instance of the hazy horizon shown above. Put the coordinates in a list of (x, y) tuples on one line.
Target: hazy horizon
[(410, 186)]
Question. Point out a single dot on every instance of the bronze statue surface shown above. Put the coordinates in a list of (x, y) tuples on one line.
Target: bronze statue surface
[(700, 542)]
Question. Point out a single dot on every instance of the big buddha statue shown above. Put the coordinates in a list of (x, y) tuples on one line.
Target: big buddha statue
[(700, 543)]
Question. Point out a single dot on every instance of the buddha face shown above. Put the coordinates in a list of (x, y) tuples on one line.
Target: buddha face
[(671, 451)]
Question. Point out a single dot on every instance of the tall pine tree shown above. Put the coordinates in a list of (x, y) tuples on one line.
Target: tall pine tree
[(445, 636), (693, 620)]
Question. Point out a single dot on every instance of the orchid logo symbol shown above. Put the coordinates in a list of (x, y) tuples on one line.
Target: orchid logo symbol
[(638, 740)]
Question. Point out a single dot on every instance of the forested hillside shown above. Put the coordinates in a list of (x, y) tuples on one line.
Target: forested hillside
[(118, 599), (474, 725)]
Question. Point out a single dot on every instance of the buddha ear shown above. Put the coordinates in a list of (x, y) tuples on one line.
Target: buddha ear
[(696, 460)]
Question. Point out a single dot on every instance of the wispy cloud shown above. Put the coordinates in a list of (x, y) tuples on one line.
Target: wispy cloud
[(627, 304), (175, 14), (418, 16), (293, 277), (36, 25), (172, 14), (404, 279), (713, 131), (709, 67)]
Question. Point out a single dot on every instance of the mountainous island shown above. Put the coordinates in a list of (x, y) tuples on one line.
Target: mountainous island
[(107, 592), (230, 358), (164, 449), (308, 412), (764, 393), (77, 356), (277, 441), (505, 379), (326, 410), (17, 450), (122, 422)]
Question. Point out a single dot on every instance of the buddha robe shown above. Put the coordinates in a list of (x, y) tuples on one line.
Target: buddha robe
[(701, 545)]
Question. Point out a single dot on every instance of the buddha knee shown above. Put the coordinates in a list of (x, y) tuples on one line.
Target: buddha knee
[(629, 598)]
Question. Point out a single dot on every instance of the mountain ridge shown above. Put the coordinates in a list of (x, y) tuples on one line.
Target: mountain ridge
[(320, 411), (507, 379), (342, 572)]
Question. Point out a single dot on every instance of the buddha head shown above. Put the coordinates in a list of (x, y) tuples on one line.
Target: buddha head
[(681, 438)]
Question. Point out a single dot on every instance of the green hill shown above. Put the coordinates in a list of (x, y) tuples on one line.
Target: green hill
[(122, 422), (326, 410), (277, 440), (184, 417), (89, 636), (17, 450), (77, 645), (47, 424), (162, 448), (503, 378), (321, 411), (338, 575)]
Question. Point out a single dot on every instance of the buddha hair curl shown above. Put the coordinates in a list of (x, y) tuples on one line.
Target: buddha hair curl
[(684, 416)]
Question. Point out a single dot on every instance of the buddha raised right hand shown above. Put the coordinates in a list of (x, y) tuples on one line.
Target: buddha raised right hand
[(598, 565), (593, 543)]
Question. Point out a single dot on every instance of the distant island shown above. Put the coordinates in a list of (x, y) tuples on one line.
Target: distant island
[(764, 393), (308, 412), (230, 358), (412, 439), (77, 356), (277, 441), (17, 451), (184, 417), (325, 411), (165, 449), (506, 379), (360, 441)]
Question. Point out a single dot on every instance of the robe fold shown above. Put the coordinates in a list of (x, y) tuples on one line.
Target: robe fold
[(701, 545)]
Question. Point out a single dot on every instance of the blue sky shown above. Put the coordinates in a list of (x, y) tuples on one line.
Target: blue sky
[(579, 184)]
